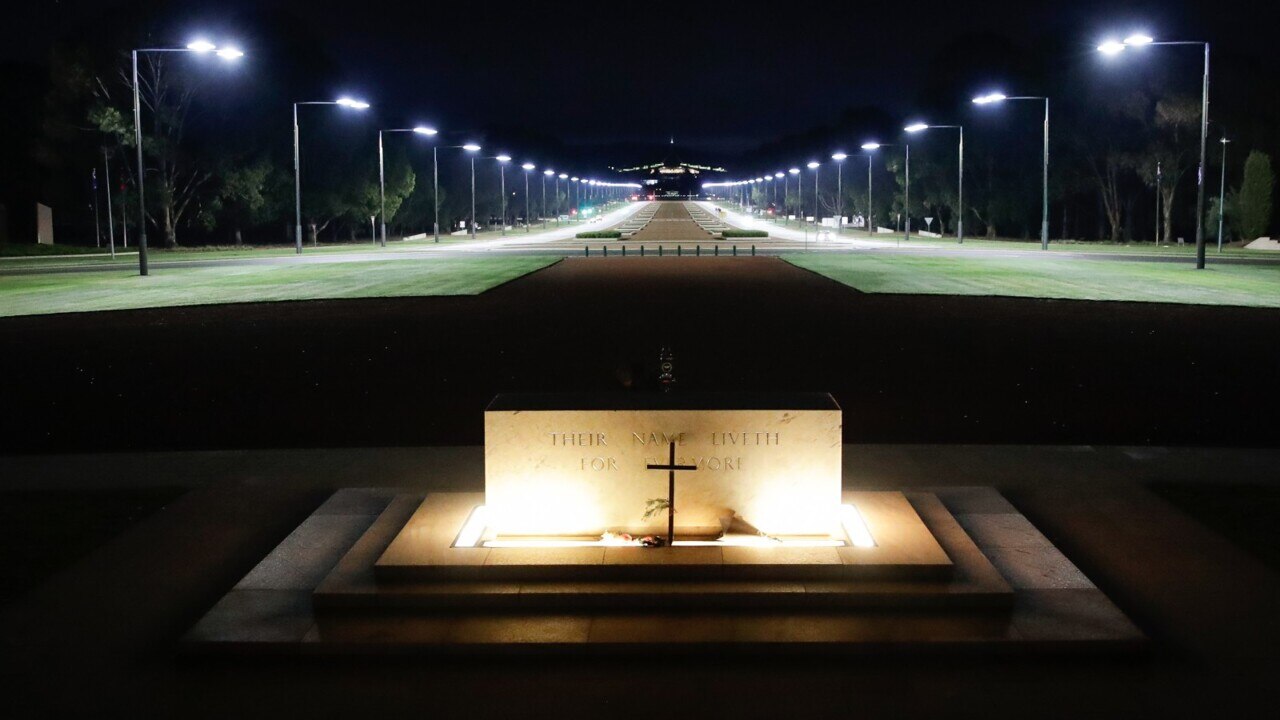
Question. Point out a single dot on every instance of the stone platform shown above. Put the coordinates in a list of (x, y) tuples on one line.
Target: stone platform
[(904, 548), (1005, 588)]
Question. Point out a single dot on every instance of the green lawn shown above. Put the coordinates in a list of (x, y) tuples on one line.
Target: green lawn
[(1067, 278), (111, 290)]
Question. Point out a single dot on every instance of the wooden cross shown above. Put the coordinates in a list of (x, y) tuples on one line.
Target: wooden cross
[(671, 468)]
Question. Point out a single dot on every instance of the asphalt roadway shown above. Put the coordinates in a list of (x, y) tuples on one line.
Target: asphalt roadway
[(561, 242)]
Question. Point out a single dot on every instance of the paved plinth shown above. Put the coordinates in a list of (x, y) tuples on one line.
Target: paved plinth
[(1009, 590)]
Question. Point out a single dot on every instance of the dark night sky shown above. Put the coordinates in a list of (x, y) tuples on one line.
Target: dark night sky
[(720, 77)]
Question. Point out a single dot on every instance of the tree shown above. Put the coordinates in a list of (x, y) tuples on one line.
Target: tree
[(1177, 123), (1255, 195), (176, 177), (244, 198)]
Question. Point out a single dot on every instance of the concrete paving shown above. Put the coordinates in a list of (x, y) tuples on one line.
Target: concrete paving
[(103, 633)]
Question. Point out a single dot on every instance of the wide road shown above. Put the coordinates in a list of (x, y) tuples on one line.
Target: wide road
[(671, 227)]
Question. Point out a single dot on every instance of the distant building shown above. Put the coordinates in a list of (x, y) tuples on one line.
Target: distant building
[(671, 179)]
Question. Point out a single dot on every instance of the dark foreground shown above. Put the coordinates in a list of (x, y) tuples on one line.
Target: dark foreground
[(419, 371)]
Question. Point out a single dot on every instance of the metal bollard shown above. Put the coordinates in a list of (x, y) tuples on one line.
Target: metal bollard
[(604, 249), (735, 251), (753, 251), (624, 251), (697, 250), (679, 250), (641, 251), (586, 251), (716, 251), (659, 251)]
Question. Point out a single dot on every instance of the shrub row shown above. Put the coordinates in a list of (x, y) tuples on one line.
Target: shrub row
[(612, 234), (744, 233)]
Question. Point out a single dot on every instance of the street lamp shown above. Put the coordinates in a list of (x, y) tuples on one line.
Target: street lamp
[(565, 177), (996, 97), (839, 157), (871, 147), (200, 47), (795, 172), (344, 102), (814, 165), (527, 167), (1222, 191), (921, 127), (473, 149), (545, 174), (382, 180), (502, 189), (1137, 40)]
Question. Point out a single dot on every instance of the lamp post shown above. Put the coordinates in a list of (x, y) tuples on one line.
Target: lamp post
[(382, 178), (111, 223), (920, 127), (473, 149), (527, 167), (199, 47), (990, 98), (565, 177), (783, 177), (502, 189), (1222, 192), (345, 102), (795, 172), (814, 165), (839, 157), (545, 174), (1138, 40)]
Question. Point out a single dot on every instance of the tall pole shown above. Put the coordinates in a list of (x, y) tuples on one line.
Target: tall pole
[(839, 199), (816, 210), (870, 216), (382, 192), (97, 219), (502, 188), (142, 203), (1159, 198), (297, 188), (1044, 206), (1204, 132), (906, 188), (786, 191), (1222, 193), (960, 192), (526, 201), (111, 223), (473, 196), (544, 201), (435, 187)]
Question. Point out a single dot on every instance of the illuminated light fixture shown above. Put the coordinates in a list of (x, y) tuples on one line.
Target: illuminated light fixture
[(1138, 40), (794, 171), (574, 179), (473, 528), (230, 53), (916, 127), (201, 46), (353, 104), (778, 175), (471, 147), (527, 166), (989, 98), (813, 164), (1109, 47), (503, 158), (562, 176), (740, 541), (548, 173), (839, 156), (424, 130), (856, 527), (871, 146)]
